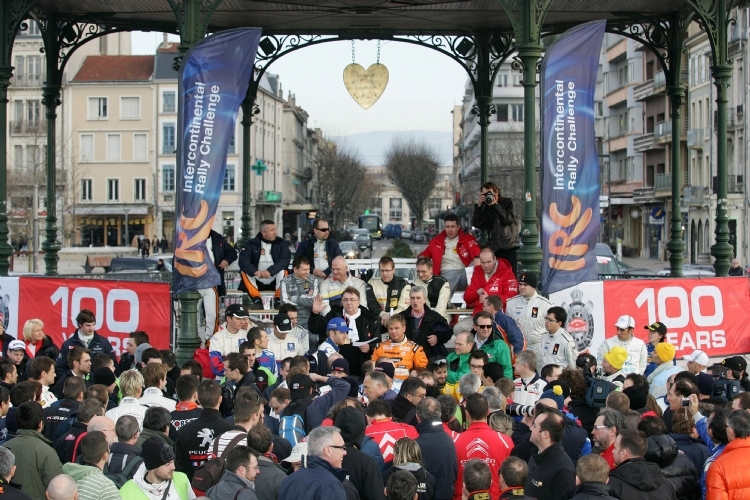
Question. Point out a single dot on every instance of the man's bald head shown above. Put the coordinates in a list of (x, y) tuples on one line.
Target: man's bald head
[(105, 425), (62, 487)]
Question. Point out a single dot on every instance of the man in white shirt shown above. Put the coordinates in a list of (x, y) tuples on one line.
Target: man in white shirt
[(558, 346), (131, 387), (300, 288), (43, 371), (529, 309), (155, 379), (301, 332), (229, 337), (529, 386), (283, 343), (625, 338), (263, 263), (333, 286), (438, 288)]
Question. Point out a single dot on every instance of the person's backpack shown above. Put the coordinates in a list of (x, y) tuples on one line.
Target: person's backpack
[(210, 472), (293, 425), (122, 477)]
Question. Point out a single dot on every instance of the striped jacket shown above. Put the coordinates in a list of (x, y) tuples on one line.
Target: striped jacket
[(92, 483)]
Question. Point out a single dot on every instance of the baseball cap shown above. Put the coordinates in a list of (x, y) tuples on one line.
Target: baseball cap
[(237, 311), (528, 278), (283, 323), (339, 325), (706, 384), (697, 356), (625, 322), (657, 327), (735, 363), (16, 345), (104, 376), (340, 365), (298, 452), (386, 368), (299, 386)]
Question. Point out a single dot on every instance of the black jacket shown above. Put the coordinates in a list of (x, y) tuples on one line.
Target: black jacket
[(98, 345), (432, 324), (363, 472), (551, 474), (48, 349), (368, 328), (250, 256), (403, 410), (318, 481), (120, 455), (222, 251), (425, 480), (194, 440), (12, 491), (637, 478), (229, 389), (438, 457), (57, 389), (593, 491), (66, 444), (586, 414), (676, 467), (180, 419), (694, 449), (56, 414), (515, 494), (573, 440), (500, 223), (307, 250)]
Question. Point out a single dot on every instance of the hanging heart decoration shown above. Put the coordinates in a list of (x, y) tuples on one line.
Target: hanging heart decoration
[(366, 86)]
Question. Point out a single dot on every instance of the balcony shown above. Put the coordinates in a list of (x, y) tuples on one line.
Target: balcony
[(660, 82), (644, 143), (663, 182), (644, 90), (695, 138), (24, 127), (32, 80), (694, 195), (617, 51), (618, 96), (663, 131), (735, 184)]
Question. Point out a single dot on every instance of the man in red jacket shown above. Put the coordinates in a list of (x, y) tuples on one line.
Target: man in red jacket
[(481, 442), (451, 251), (492, 276)]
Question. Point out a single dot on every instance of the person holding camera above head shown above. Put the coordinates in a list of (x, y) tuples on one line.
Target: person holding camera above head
[(494, 214)]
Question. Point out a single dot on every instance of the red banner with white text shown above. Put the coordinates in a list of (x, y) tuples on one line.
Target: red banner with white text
[(711, 314), (120, 307)]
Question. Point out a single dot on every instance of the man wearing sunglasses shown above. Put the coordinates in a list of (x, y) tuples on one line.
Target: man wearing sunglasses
[(319, 250)]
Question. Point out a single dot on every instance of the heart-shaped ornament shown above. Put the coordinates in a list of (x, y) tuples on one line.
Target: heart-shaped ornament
[(366, 86)]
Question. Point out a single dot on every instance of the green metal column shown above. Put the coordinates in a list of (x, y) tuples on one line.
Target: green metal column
[(192, 20), (484, 111), (676, 244), (51, 100), (527, 17), (248, 111), (11, 15)]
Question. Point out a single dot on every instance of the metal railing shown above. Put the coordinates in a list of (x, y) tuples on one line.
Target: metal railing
[(663, 181)]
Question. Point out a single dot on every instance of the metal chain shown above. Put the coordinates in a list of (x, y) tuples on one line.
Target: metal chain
[(352, 51), (378, 61)]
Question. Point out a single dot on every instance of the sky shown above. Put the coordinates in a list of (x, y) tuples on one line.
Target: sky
[(423, 85)]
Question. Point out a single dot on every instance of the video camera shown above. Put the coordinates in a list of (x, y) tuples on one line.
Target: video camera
[(726, 389)]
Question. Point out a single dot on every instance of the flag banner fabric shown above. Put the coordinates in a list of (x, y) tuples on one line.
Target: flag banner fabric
[(120, 307), (570, 163), (214, 77), (710, 314)]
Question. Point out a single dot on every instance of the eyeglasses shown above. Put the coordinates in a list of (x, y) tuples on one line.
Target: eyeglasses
[(323, 229), (440, 362), (476, 366), (483, 327), (339, 447), (551, 320), (601, 427)]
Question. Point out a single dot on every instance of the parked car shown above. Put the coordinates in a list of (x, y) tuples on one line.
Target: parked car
[(409, 274), (139, 264), (406, 233), (635, 271), (605, 261), (392, 231), (350, 250), (419, 237), (691, 270), (362, 239)]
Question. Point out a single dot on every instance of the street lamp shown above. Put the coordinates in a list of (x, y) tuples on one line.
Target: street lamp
[(127, 233)]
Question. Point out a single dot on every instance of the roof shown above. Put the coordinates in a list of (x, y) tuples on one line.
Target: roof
[(115, 69), (164, 66)]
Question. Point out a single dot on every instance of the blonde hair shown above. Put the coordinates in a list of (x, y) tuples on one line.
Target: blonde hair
[(29, 326), (501, 422), (406, 450), (130, 382)]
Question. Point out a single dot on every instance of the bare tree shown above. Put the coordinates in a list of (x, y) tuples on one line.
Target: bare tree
[(412, 167), (343, 182)]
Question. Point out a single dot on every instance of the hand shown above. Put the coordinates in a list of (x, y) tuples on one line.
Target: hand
[(318, 378), (384, 319), (223, 264), (265, 274), (365, 348), (318, 273), (432, 340), (258, 274), (317, 305), (694, 402), (481, 199)]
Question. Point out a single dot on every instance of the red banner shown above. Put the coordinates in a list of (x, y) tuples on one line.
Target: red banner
[(711, 314), (120, 307)]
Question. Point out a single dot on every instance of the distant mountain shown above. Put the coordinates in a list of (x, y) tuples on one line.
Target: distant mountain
[(372, 146)]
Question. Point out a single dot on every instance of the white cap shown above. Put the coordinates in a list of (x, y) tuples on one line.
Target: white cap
[(625, 322), (697, 356), (16, 345), (299, 451)]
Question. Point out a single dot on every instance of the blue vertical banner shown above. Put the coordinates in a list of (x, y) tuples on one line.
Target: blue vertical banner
[(570, 162), (214, 77)]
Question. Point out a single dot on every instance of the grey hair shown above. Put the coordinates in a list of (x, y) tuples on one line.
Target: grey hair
[(419, 289), (319, 438), (340, 258), (528, 358), (495, 398), (613, 418), (428, 410), (469, 384), (62, 487), (264, 224), (7, 459), (469, 336), (380, 378)]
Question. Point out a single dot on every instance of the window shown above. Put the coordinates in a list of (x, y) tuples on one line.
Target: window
[(34, 70), (19, 70), (33, 158), (168, 139), (231, 144), (502, 112), (33, 112), (33, 29), (87, 147), (435, 203), (517, 112), (502, 80), (376, 205), (130, 108), (139, 190), (395, 212), (97, 108), (167, 178), (113, 147), (168, 102), (517, 81), (140, 147), (18, 156), (87, 189), (113, 189), (228, 179)]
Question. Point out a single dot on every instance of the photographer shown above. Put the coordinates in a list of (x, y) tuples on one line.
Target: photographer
[(495, 215)]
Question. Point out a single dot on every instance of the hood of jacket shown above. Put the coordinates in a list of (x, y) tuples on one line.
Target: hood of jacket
[(662, 450), (352, 424), (78, 471), (637, 472), (594, 489)]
